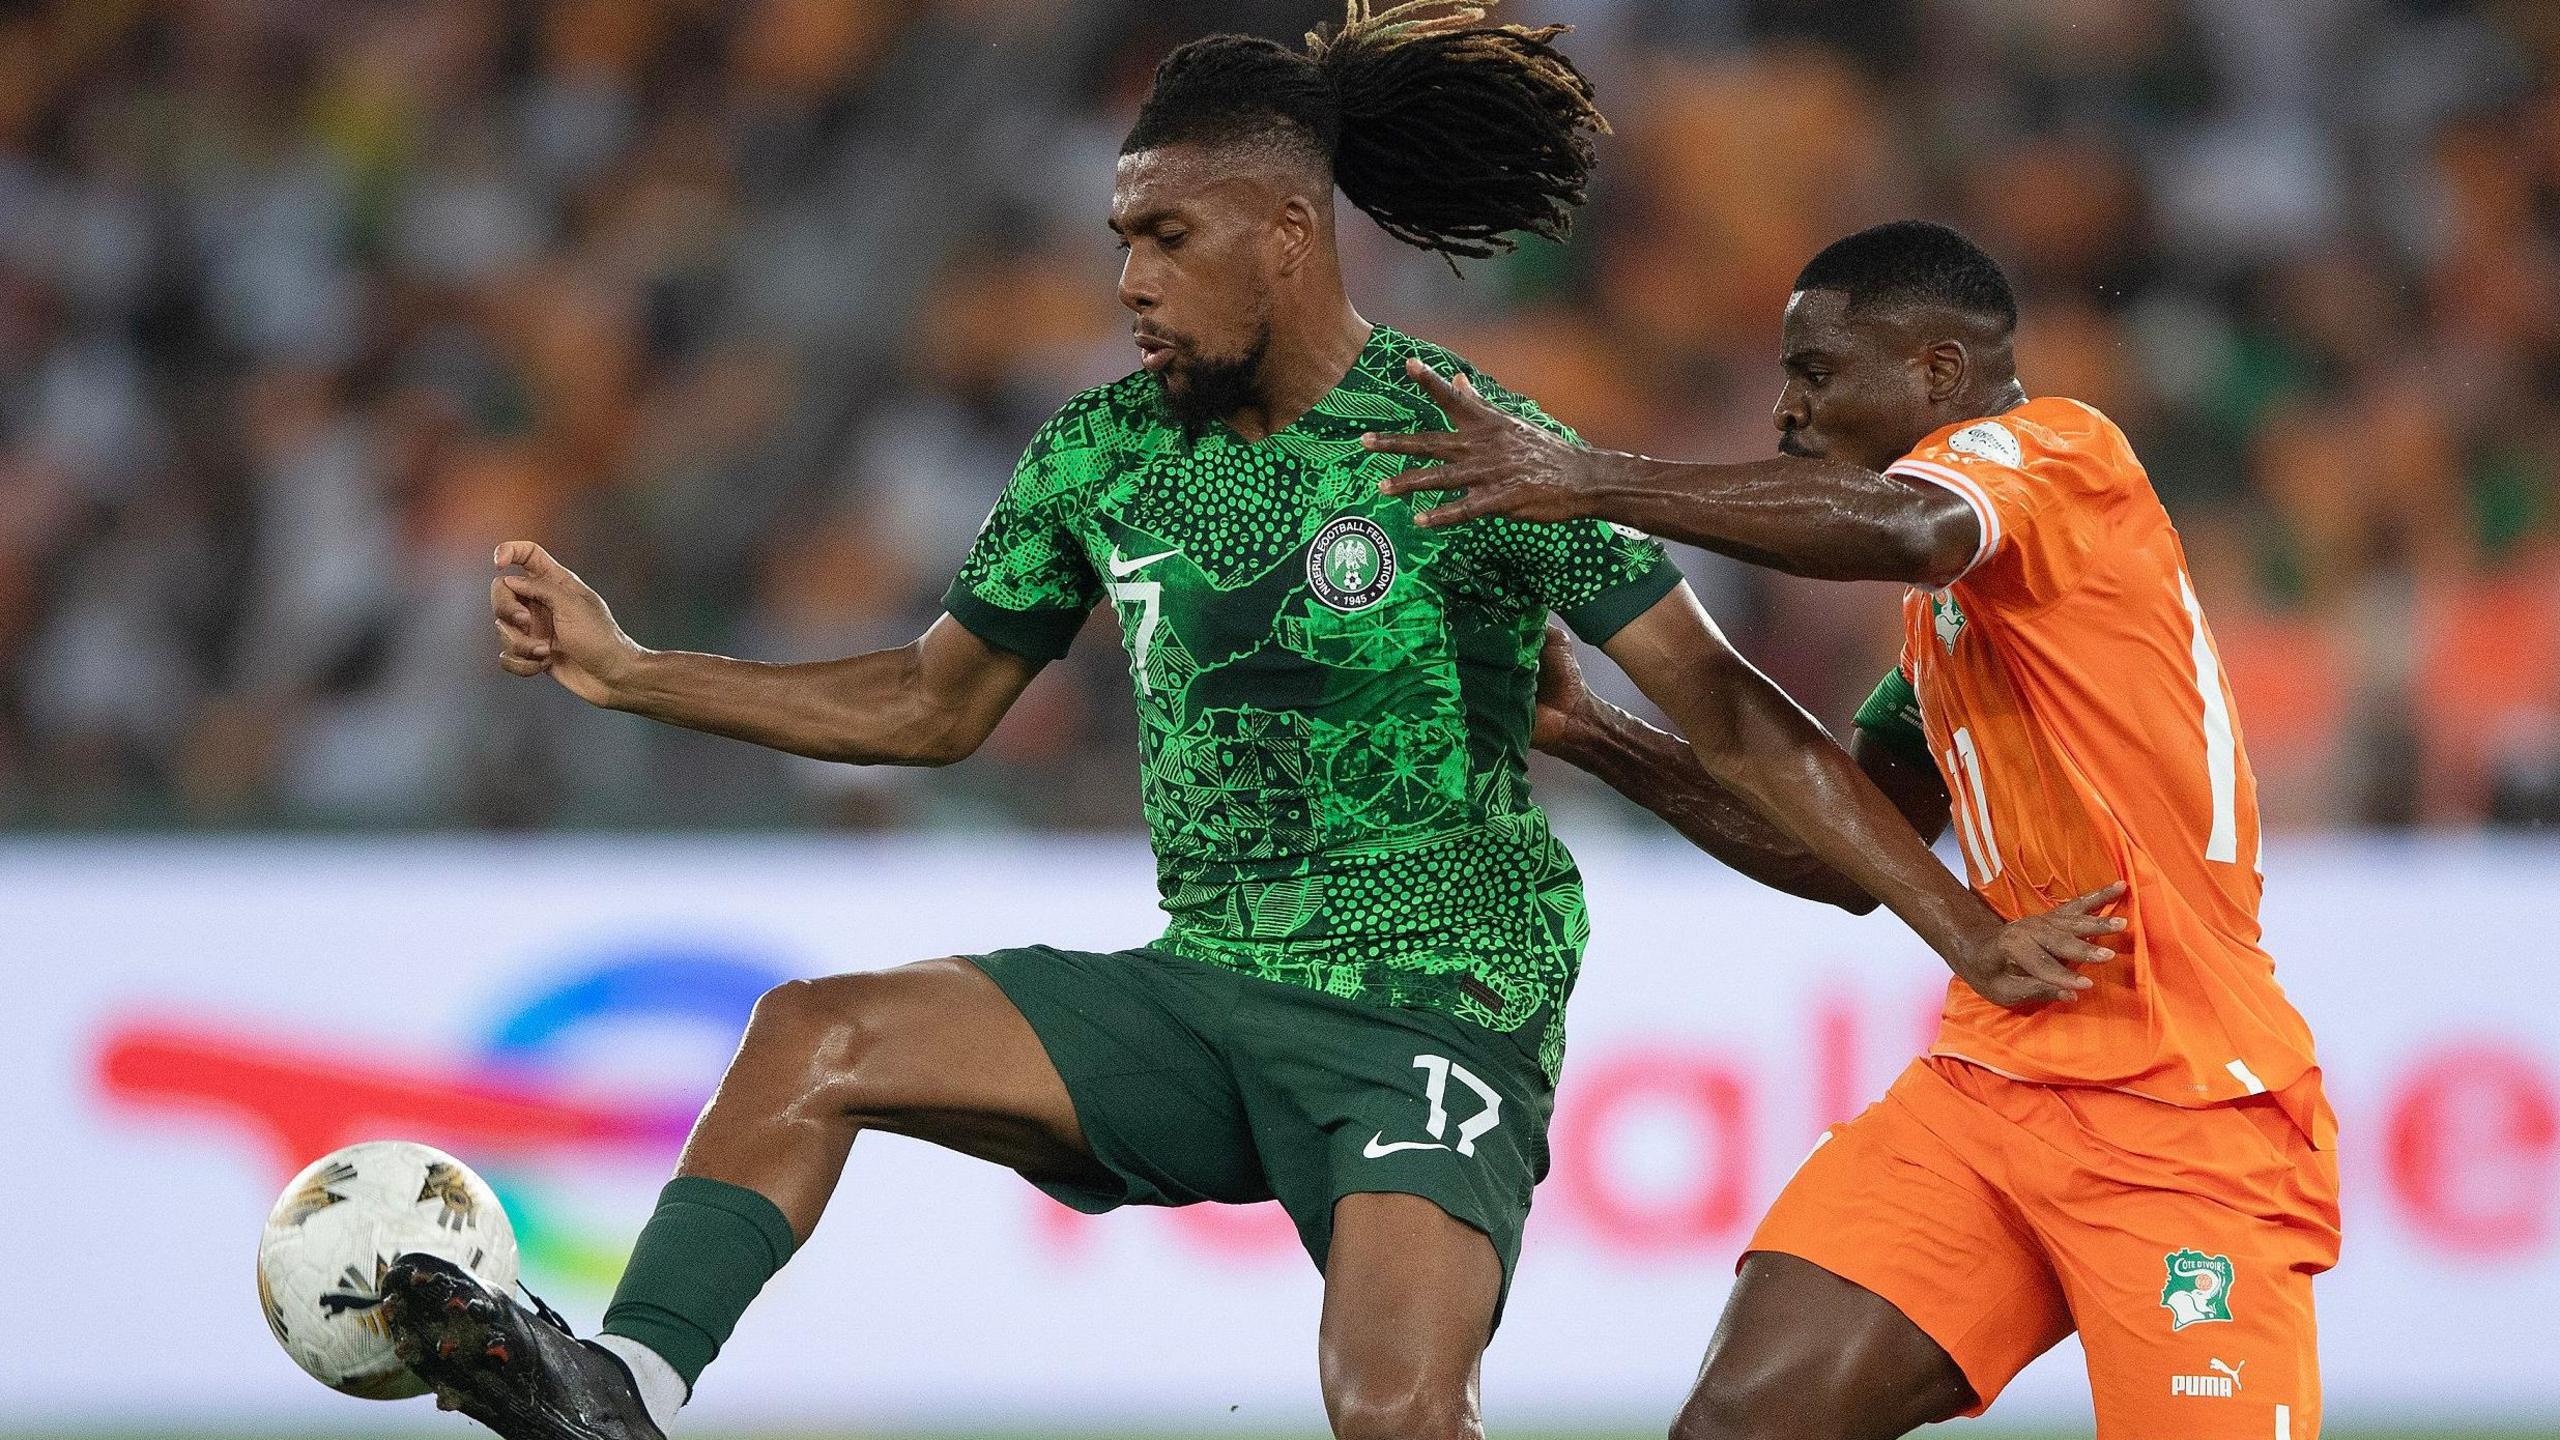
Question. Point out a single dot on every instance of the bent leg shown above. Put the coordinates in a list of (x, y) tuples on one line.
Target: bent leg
[(932, 1050), (1801, 1352), (1409, 1297), (1892, 1284)]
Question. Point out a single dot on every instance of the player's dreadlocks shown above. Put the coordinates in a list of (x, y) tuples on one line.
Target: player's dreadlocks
[(1449, 131)]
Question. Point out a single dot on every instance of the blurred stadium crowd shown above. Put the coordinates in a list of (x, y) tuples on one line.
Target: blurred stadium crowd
[(746, 306)]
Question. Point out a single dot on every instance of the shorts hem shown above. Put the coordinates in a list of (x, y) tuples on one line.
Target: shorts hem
[(1083, 1199)]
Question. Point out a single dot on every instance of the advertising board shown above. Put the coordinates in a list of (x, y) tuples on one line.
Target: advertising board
[(192, 1022)]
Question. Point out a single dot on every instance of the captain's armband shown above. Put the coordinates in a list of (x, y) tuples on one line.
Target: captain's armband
[(1892, 716)]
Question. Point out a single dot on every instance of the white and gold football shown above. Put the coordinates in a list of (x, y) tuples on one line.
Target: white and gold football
[(340, 1225)]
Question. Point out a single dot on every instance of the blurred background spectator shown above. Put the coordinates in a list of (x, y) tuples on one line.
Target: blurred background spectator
[(744, 307)]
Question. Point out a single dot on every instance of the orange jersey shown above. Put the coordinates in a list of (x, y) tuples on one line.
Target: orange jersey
[(2072, 696)]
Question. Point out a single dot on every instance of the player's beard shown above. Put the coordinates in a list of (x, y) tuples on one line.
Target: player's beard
[(1212, 388)]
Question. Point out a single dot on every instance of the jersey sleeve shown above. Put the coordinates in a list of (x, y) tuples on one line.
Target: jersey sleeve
[(1027, 584), (1595, 575), (2038, 529)]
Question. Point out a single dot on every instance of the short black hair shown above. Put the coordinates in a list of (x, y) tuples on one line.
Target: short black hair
[(1913, 262), (1450, 131)]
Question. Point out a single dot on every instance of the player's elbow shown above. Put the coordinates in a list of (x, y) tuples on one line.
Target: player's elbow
[(1807, 878), (939, 738), (923, 734), (1727, 750), (1930, 545)]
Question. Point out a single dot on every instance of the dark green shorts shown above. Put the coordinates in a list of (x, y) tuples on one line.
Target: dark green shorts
[(1197, 1083)]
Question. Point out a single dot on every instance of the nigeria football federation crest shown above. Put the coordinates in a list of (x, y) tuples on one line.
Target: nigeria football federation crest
[(2199, 1288), (1351, 563)]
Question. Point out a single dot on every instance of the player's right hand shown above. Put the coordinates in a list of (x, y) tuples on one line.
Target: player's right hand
[(2031, 961), (551, 623)]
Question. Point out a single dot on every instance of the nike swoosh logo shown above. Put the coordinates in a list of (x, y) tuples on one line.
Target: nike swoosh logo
[(1373, 1149), (1120, 567)]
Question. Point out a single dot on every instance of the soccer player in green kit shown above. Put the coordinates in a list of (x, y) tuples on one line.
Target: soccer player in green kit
[(1356, 1007)]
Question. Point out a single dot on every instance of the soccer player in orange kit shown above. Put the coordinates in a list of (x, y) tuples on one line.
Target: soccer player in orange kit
[(2142, 1155)]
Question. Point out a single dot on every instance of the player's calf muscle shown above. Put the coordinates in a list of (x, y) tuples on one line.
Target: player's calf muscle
[(1780, 1406)]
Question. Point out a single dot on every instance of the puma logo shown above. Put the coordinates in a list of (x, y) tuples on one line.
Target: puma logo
[(2220, 1386)]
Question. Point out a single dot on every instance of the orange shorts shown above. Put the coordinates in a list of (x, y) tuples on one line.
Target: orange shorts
[(2001, 1216)]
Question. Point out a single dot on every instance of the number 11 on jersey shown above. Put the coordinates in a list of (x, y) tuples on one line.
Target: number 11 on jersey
[(1963, 766), (1961, 762)]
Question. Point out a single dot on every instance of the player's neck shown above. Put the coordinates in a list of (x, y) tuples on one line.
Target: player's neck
[(1307, 359), (1996, 399)]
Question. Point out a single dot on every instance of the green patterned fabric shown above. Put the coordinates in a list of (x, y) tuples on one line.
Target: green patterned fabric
[(1333, 702)]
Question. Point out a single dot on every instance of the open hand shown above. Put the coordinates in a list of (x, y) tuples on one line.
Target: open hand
[(2030, 961), (551, 623), (1506, 465)]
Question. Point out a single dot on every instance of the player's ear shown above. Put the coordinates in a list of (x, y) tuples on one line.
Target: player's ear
[(1297, 232), (1944, 366)]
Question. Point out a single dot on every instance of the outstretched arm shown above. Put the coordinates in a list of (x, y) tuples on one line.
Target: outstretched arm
[(1819, 518), (927, 703), (1754, 741)]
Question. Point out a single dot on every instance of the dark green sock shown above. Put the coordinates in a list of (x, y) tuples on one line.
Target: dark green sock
[(700, 1260)]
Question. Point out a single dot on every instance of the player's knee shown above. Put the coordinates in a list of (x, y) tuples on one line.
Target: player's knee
[(790, 1013), (1404, 1413), (1819, 1394), (820, 1031), (1727, 1406)]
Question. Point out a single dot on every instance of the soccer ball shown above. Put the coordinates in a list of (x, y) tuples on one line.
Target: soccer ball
[(338, 1228)]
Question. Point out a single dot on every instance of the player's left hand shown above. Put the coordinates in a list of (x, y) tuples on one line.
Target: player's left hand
[(2030, 961), (1506, 465)]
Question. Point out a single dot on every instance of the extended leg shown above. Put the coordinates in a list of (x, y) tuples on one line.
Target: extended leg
[(933, 1050), (1409, 1296)]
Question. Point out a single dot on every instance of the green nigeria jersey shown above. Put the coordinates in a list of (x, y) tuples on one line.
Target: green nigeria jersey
[(1333, 703)]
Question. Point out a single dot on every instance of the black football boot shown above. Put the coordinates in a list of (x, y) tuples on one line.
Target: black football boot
[(519, 1372)]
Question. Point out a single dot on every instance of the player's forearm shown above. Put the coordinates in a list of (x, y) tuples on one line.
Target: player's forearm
[(1658, 771), (1761, 746), (866, 710), (1846, 822), (1818, 518)]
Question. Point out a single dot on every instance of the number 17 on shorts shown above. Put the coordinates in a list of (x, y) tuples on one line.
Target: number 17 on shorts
[(1438, 1071)]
